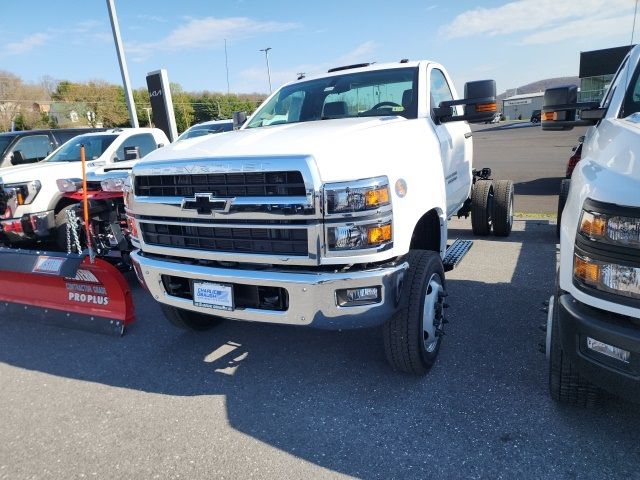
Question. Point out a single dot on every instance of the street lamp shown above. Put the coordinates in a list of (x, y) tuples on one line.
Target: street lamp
[(266, 56)]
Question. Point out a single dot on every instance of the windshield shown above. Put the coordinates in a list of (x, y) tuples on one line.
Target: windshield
[(4, 143), (364, 94), (94, 147), (201, 130)]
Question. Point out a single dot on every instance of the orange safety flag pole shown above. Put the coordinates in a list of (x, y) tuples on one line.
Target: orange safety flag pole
[(85, 201)]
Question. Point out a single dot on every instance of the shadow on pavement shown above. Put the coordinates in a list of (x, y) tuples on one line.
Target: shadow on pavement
[(329, 397), (539, 186)]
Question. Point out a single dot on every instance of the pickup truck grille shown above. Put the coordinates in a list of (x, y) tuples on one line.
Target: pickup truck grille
[(277, 241), (254, 184)]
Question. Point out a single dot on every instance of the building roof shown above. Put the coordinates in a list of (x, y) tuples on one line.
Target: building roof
[(525, 95)]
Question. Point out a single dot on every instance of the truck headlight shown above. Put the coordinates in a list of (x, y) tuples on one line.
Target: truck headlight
[(25, 192), (610, 228), (358, 196), (353, 237), (113, 184), (607, 276), (69, 185)]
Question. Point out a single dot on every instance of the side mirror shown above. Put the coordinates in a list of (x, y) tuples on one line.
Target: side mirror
[(479, 104), (18, 159), (238, 119), (561, 106), (131, 153)]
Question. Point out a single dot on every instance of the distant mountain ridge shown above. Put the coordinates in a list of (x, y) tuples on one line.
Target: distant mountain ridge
[(540, 86)]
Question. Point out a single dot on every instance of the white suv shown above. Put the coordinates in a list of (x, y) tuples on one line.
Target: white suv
[(36, 208)]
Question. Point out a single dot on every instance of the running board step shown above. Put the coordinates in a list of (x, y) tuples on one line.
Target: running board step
[(455, 253)]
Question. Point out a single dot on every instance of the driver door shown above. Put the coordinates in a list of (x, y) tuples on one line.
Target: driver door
[(455, 143)]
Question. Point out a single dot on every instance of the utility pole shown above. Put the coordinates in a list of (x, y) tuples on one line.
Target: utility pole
[(131, 106), (226, 63), (266, 55)]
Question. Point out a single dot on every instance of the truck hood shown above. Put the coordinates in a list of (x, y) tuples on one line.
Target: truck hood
[(339, 146), (611, 162), (45, 171)]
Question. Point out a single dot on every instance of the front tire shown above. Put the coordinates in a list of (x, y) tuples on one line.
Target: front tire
[(503, 208), (482, 207), (188, 320), (412, 337), (566, 385)]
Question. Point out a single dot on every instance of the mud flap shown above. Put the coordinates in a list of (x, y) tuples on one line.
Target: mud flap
[(64, 290)]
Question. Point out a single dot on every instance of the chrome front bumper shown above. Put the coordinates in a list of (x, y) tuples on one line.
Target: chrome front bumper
[(312, 295)]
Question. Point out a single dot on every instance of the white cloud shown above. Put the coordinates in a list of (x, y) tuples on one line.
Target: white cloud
[(362, 53), (255, 79), (208, 32), (583, 28), (26, 44), (531, 15)]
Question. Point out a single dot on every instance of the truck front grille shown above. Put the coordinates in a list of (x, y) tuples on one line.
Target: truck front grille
[(277, 241), (254, 184)]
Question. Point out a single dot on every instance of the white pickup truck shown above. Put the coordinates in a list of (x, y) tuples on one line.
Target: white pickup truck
[(593, 327), (36, 208), (328, 208)]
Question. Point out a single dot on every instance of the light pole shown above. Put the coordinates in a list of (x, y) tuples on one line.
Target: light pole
[(266, 55)]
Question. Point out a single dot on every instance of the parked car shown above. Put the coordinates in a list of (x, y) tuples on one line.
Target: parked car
[(31, 146), (535, 116), (206, 128), (593, 327), (37, 209), (575, 157)]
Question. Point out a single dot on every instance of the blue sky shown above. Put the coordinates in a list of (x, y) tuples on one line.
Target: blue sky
[(514, 42)]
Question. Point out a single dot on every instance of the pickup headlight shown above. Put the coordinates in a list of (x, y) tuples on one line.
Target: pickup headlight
[(607, 228), (113, 184), (359, 196), (606, 276), (69, 185), (25, 192), (351, 236)]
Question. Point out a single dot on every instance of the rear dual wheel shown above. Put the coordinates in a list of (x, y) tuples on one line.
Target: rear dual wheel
[(492, 207)]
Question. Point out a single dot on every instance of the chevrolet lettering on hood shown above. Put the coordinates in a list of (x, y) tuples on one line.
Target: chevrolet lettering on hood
[(208, 168)]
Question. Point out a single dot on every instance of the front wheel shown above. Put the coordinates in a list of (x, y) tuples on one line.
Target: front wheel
[(412, 337), (189, 320), (566, 385)]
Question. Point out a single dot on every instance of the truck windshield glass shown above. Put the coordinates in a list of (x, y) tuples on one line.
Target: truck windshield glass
[(363, 94), (94, 146), (631, 103), (4, 143), (201, 130)]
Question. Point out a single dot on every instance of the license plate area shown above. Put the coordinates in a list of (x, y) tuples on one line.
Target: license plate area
[(217, 296)]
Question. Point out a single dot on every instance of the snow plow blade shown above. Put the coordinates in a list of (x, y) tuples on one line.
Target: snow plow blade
[(64, 290)]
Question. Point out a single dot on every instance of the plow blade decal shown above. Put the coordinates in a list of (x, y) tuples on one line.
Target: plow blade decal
[(64, 290)]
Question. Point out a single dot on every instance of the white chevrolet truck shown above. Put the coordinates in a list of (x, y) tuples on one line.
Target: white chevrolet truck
[(327, 209), (593, 327), (36, 208)]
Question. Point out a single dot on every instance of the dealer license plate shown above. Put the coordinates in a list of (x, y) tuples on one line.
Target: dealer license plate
[(213, 295)]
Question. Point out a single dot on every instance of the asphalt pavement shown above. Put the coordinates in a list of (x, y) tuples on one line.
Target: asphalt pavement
[(533, 159), (260, 401)]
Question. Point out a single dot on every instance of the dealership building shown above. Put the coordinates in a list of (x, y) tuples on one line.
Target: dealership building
[(520, 107), (597, 68)]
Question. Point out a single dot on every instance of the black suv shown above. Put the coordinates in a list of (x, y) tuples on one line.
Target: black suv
[(535, 116), (31, 146)]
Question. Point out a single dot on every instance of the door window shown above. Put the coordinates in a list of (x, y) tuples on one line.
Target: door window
[(33, 148), (439, 89), (144, 141)]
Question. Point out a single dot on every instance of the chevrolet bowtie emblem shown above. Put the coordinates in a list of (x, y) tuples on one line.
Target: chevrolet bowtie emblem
[(206, 204)]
